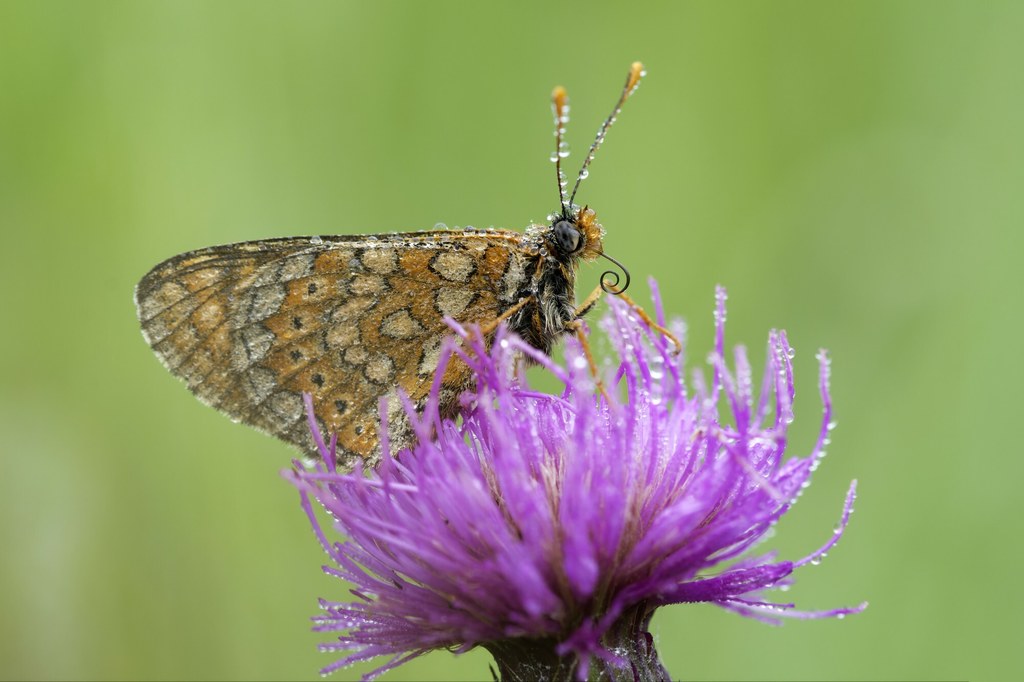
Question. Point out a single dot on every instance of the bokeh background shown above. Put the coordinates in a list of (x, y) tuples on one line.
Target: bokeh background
[(851, 172)]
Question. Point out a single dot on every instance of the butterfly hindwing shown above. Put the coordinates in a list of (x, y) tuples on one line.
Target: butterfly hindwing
[(250, 327)]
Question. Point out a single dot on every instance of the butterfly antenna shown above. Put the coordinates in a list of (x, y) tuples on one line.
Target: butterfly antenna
[(560, 108), (636, 72)]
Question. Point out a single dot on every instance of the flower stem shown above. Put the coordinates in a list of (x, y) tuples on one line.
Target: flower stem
[(522, 660), (525, 659)]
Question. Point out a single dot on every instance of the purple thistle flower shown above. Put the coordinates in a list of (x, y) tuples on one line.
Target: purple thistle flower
[(548, 528)]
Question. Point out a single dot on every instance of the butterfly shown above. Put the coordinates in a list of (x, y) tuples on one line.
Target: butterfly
[(251, 327)]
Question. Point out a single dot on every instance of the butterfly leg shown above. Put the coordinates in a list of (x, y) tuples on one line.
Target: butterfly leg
[(589, 302), (486, 329), (649, 321), (578, 328), (595, 295)]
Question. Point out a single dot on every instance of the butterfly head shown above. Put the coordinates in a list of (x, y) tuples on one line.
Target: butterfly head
[(575, 235)]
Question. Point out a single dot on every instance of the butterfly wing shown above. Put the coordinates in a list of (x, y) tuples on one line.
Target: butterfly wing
[(250, 327)]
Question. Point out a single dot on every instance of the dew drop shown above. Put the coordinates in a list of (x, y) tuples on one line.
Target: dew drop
[(440, 226), (316, 240)]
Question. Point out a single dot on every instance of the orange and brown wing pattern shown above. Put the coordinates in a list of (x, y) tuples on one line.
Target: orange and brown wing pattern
[(250, 327)]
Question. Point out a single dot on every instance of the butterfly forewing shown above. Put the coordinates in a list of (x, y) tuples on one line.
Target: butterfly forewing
[(250, 327)]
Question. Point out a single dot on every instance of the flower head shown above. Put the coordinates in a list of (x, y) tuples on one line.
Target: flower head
[(548, 528)]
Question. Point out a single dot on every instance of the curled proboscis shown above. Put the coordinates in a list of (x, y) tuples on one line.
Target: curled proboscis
[(610, 278)]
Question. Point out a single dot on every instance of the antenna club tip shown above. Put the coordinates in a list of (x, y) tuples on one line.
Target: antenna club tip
[(636, 72), (559, 97)]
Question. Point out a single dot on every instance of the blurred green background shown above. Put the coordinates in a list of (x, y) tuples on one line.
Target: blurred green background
[(851, 172)]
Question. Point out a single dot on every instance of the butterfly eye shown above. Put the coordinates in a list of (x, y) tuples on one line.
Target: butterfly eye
[(567, 237)]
